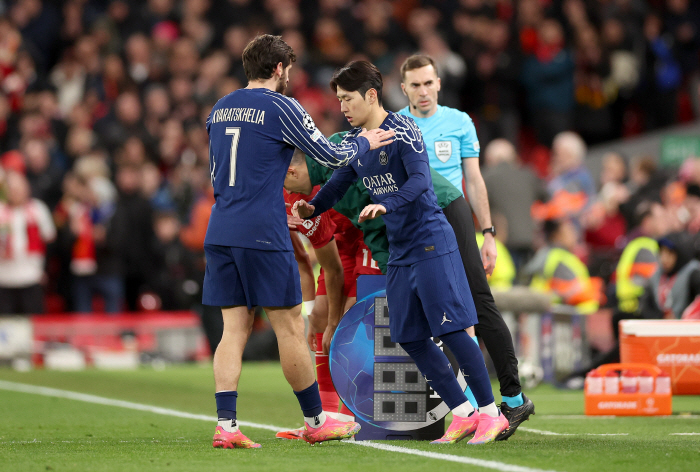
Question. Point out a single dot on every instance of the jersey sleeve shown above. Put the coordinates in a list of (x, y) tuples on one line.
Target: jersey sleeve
[(299, 130), (469, 142), (319, 230), (333, 191), (415, 161)]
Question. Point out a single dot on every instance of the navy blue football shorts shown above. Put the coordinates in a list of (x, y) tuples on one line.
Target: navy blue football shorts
[(429, 298), (240, 276)]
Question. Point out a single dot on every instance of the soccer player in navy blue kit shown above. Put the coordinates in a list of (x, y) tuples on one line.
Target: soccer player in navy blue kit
[(250, 260), (427, 290)]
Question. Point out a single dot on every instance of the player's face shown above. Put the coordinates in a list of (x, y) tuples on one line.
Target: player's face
[(354, 106), (421, 86), (283, 81)]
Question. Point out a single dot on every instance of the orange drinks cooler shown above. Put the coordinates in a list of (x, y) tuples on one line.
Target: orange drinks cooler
[(672, 345), (628, 404)]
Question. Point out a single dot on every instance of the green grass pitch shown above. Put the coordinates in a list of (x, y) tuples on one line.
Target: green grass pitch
[(42, 433)]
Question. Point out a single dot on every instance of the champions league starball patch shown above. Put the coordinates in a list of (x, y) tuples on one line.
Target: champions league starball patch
[(308, 123)]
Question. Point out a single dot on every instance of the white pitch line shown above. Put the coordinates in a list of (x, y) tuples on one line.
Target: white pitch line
[(684, 434), (54, 392), (447, 457), (552, 433), (608, 417)]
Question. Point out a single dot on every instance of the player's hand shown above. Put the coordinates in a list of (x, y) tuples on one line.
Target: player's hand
[(327, 338), (370, 212), (302, 209), (293, 221), (489, 253), (378, 137), (311, 333)]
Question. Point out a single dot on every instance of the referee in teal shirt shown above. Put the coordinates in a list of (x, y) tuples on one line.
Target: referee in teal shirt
[(453, 151)]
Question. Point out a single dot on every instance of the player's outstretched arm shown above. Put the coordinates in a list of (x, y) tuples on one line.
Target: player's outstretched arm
[(299, 130), (333, 191)]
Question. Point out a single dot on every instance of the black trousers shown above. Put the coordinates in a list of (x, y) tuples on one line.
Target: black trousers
[(25, 300), (491, 328)]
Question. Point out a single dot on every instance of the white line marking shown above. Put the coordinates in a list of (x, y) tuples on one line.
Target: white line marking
[(552, 433), (684, 434), (447, 457), (608, 417), (54, 392), (544, 433)]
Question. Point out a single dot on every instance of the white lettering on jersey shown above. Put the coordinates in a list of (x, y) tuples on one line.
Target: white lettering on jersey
[(250, 115)]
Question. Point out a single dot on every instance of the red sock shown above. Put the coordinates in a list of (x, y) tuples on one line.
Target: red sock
[(345, 410), (329, 398)]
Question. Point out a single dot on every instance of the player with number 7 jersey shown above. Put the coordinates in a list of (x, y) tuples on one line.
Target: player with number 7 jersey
[(250, 260)]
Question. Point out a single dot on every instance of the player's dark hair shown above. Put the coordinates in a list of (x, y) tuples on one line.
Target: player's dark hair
[(416, 62), (358, 76), (262, 54)]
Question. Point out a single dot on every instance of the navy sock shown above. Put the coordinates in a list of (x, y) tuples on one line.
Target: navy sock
[(226, 404), (310, 401), (471, 362), (435, 367)]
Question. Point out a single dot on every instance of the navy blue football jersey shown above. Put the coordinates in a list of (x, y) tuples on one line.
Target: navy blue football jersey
[(398, 177), (252, 136)]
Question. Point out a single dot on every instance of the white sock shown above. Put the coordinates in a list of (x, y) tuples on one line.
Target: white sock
[(463, 410), (340, 416), (316, 421), (229, 425), (491, 409)]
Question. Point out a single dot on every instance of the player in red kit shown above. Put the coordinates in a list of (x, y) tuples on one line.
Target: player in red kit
[(343, 257)]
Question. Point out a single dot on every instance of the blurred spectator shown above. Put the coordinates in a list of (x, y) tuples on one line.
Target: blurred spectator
[(44, 178), (568, 170), (676, 283), (133, 224), (548, 76), (26, 227), (555, 269), (174, 270), (512, 190), (662, 76)]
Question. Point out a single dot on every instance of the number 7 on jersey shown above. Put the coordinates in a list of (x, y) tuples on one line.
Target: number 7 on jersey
[(236, 133)]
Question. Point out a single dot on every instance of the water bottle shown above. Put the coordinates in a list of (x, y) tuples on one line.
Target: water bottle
[(646, 382), (612, 383), (628, 382), (663, 384), (594, 383)]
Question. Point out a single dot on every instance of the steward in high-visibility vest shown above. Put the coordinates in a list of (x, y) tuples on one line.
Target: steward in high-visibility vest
[(504, 271), (557, 270), (638, 263)]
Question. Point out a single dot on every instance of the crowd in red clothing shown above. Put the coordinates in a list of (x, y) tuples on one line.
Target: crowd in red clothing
[(104, 101)]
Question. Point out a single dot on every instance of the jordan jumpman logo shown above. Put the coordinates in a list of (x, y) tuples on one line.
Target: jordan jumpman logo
[(444, 318)]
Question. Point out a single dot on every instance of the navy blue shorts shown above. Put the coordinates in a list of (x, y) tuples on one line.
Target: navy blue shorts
[(240, 276), (429, 298)]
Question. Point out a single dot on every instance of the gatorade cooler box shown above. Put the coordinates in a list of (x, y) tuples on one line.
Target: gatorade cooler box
[(672, 345), (599, 398)]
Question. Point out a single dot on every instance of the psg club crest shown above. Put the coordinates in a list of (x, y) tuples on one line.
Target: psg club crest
[(383, 158)]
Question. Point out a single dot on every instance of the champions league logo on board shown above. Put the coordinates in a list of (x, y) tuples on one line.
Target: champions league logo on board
[(383, 158)]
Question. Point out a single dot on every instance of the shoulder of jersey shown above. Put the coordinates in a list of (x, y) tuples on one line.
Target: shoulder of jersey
[(407, 131), (455, 114)]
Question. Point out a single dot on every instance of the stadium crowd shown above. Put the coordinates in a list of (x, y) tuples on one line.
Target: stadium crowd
[(104, 169)]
